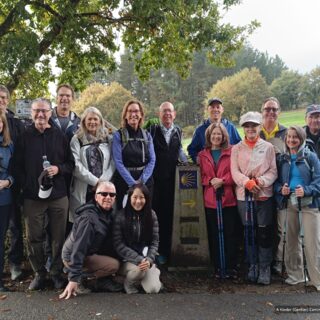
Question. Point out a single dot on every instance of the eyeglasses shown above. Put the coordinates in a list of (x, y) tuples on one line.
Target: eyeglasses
[(133, 111), (250, 125), (271, 109), (105, 194), (37, 111)]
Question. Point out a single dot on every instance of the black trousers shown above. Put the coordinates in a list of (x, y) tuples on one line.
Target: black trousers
[(162, 204), (230, 236)]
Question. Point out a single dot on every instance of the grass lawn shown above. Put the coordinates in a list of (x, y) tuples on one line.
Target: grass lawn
[(287, 118)]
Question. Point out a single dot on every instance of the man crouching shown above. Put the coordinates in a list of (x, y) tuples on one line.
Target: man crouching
[(85, 247)]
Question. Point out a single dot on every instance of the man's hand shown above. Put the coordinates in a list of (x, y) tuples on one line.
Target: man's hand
[(52, 171), (4, 184), (70, 290), (144, 265)]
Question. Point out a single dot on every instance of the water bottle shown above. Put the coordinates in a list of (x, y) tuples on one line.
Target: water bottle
[(46, 164)]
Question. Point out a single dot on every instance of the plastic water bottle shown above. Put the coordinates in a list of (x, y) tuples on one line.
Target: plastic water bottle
[(46, 164)]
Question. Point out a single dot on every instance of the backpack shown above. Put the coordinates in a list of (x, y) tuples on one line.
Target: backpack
[(124, 135)]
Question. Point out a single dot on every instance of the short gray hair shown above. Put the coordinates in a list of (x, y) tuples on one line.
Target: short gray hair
[(43, 100), (105, 183)]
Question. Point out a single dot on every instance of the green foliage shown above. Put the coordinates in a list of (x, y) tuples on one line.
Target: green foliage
[(287, 88), (81, 36), (311, 86), (109, 99), (241, 92)]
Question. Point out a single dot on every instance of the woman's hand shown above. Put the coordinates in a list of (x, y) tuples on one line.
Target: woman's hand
[(70, 290), (144, 265), (216, 183), (4, 184), (299, 192), (285, 190)]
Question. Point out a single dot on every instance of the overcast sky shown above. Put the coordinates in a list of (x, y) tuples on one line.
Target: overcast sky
[(289, 28)]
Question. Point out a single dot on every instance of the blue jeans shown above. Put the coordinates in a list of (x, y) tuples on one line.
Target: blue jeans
[(4, 221)]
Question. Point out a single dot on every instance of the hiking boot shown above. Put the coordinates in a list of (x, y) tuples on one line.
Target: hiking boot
[(107, 284), (58, 282), (264, 275), (38, 282), (3, 288), (130, 288), (253, 273), (15, 271)]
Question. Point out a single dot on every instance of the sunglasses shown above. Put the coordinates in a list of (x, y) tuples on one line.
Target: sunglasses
[(271, 109), (105, 194)]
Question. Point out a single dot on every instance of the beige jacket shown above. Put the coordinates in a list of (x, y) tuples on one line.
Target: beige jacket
[(259, 163)]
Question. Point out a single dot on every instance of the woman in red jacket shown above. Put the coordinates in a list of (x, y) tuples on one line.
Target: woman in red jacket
[(216, 177)]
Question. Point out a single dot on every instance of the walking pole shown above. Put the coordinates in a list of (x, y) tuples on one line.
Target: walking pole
[(219, 193), (251, 201), (249, 223), (284, 238), (305, 271)]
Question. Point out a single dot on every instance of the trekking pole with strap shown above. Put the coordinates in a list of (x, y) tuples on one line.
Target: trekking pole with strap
[(219, 193), (284, 239), (301, 234), (249, 226)]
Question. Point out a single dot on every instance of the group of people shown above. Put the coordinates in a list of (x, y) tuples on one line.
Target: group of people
[(86, 192), (270, 180), (98, 201)]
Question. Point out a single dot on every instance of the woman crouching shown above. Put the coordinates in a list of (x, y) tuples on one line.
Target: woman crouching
[(136, 239)]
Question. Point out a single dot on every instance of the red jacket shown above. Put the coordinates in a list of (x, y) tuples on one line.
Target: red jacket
[(220, 170)]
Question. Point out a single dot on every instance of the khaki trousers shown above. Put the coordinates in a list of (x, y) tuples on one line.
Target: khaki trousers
[(34, 213), (293, 250), (149, 279)]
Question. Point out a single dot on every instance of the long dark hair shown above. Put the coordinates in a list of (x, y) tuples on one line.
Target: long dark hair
[(145, 214)]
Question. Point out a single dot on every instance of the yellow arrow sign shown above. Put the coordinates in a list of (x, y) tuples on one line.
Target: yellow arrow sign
[(190, 203)]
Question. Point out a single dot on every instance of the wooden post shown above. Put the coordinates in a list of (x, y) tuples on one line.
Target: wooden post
[(189, 238)]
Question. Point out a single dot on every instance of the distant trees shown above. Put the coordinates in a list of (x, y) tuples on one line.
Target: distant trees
[(108, 98), (242, 92), (287, 88), (311, 86)]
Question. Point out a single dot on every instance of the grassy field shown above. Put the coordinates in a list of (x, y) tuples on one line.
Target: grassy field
[(286, 118)]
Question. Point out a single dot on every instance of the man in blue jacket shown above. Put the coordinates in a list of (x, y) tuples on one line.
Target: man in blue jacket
[(215, 110)]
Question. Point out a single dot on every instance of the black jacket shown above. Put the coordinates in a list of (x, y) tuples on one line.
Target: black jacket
[(28, 162), (166, 155), (132, 251), (91, 234), (312, 142)]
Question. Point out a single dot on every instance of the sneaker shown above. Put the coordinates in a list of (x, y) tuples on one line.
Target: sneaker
[(58, 282), (293, 282), (264, 275), (253, 273), (277, 268), (107, 284), (129, 287), (15, 271), (38, 282), (3, 288)]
